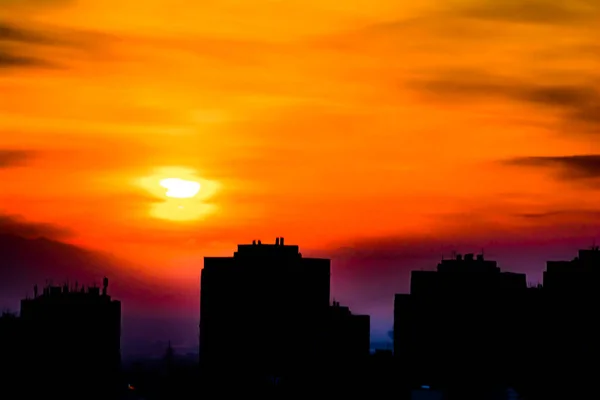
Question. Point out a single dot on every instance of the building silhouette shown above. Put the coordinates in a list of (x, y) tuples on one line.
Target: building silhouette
[(348, 348), (466, 330), (567, 326), (73, 340), (460, 325), (350, 336), (264, 315)]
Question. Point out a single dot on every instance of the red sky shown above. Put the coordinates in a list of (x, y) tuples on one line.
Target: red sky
[(334, 124)]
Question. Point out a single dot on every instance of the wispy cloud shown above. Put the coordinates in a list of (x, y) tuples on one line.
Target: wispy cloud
[(13, 33), (533, 11), (16, 44), (12, 158), (28, 44), (576, 104), (575, 167)]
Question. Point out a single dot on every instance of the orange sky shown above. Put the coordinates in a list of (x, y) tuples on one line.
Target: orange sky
[(323, 121)]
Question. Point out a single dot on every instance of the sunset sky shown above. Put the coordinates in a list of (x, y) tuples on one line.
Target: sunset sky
[(380, 132)]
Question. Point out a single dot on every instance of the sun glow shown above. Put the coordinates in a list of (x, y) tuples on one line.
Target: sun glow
[(186, 197), (180, 188)]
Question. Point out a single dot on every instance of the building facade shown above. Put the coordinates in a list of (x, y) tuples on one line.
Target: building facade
[(263, 313), (74, 339), (460, 323)]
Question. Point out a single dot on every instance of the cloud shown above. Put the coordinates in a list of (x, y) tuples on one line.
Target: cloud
[(8, 60), (576, 104), (581, 103), (575, 167), (27, 44), (533, 11), (12, 33), (18, 226), (33, 3), (11, 158), (581, 219), (16, 47)]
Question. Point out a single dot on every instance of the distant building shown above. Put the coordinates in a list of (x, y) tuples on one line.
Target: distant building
[(350, 339), (74, 338), (459, 323), (578, 277), (263, 313)]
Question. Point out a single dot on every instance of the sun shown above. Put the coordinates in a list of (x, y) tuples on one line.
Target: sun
[(182, 195), (180, 188)]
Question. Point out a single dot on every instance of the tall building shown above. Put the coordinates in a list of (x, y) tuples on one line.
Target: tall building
[(568, 320), (459, 323), (263, 313), (74, 337)]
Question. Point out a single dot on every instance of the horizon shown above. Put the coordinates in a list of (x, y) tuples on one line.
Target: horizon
[(179, 330)]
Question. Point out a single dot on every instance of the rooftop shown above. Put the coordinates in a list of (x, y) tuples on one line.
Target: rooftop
[(67, 291)]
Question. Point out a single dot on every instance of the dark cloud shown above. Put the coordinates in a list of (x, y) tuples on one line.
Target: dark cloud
[(587, 217), (34, 3), (15, 225), (16, 45), (533, 11), (577, 104), (8, 60), (11, 158), (542, 215), (577, 167), (30, 45), (581, 103), (13, 33), (561, 96)]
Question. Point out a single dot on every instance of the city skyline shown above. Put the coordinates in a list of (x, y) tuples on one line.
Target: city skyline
[(147, 334), (268, 322)]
